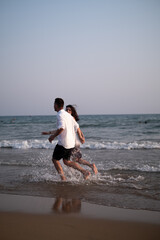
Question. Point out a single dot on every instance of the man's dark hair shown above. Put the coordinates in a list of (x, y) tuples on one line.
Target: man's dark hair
[(59, 102)]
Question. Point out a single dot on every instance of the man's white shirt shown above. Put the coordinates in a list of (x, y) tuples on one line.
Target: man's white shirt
[(68, 137)]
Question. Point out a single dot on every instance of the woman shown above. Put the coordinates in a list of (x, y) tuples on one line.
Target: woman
[(76, 154)]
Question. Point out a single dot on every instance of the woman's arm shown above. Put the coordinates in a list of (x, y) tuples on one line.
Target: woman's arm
[(81, 136)]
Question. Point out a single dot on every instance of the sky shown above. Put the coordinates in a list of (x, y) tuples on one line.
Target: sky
[(102, 55)]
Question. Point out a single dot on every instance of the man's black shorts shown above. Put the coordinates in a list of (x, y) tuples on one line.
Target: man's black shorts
[(61, 152)]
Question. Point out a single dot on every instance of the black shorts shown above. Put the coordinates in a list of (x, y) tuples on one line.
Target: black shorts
[(61, 152)]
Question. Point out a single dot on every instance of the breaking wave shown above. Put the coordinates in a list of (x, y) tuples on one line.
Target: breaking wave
[(93, 145)]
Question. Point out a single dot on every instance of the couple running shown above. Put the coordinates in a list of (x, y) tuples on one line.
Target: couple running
[(68, 146)]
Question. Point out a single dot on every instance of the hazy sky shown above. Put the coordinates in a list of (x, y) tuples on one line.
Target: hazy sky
[(103, 56)]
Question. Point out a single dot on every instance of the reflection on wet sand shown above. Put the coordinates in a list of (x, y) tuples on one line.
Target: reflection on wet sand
[(62, 205)]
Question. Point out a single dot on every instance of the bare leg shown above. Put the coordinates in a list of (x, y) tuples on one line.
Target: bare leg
[(59, 169), (84, 162), (76, 166)]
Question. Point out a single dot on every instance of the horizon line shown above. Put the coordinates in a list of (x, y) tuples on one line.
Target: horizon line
[(91, 114)]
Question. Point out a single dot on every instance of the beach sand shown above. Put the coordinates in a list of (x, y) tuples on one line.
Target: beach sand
[(25, 217)]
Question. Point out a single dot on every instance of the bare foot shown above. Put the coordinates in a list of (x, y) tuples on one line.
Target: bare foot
[(94, 168), (86, 175)]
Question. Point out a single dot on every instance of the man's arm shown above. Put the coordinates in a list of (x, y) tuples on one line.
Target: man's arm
[(81, 136), (49, 133), (55, 134)]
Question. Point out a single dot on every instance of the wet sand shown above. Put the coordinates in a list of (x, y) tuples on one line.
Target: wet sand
[(25, 217)]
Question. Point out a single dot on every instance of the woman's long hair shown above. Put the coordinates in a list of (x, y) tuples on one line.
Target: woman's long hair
[(74, 112)]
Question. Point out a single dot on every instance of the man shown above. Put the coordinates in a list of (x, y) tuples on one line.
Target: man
[(66, 127)]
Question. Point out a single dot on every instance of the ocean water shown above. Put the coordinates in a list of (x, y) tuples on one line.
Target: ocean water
[(125, 149)]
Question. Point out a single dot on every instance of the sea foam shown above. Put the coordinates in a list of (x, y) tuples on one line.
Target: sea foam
[(44, 144)]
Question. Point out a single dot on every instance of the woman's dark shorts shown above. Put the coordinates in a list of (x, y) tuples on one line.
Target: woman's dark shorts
[(61, 152)]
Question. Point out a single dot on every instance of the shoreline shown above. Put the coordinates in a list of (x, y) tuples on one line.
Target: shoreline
[(28, 217)]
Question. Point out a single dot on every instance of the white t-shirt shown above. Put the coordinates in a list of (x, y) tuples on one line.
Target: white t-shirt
[(78, 143), (67, 138)]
